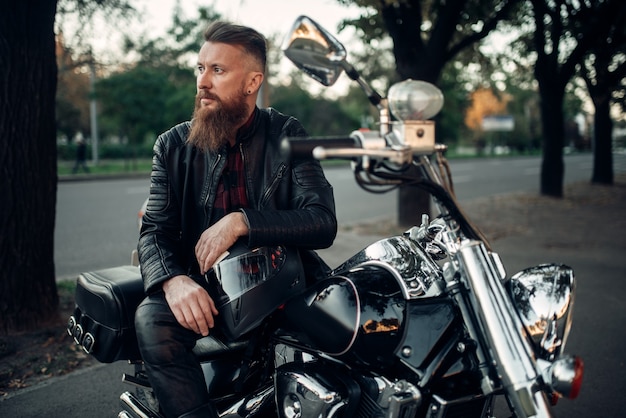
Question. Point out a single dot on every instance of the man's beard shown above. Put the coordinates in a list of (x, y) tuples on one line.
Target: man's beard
[(213, 128)]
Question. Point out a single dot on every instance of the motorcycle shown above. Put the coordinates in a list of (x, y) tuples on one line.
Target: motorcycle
[(422, 324)]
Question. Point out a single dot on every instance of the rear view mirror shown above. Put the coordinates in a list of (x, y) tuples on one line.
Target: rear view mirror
[(315, 51)]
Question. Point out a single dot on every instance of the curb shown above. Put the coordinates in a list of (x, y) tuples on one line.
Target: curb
[(92, 177)]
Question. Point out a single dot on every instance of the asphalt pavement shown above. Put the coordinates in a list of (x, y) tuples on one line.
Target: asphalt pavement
[(586, 230)]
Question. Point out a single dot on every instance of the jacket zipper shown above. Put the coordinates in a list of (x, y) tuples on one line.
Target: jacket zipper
[(206, 199), (274, 184)]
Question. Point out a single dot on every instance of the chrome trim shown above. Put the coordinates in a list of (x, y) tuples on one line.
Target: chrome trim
[(78, 334), (135, 407), (497, 261), (357, 321), (396, 399), (413, 268), (564, 375), (249, 406), (88, 342), (299, 394), (505, 336), (544, 297), (71, 325)]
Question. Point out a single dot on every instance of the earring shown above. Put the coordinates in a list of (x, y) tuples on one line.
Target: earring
[(249, 91)]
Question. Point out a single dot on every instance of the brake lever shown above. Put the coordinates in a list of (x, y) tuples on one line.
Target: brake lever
[(398, 155)]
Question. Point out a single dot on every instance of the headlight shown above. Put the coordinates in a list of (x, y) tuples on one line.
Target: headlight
[(544, 297), (414, 100)]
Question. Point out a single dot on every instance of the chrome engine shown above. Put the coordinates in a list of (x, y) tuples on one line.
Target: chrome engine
[(310, 390)]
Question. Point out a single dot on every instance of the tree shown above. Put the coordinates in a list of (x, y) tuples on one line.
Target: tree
[(157, 90), (28, 77), (524, 108), (484, 103), (133, 101), (28, 155), (564, 32), (604, 70), (426, 36), (72, 95), (320, 116), (450, 127)]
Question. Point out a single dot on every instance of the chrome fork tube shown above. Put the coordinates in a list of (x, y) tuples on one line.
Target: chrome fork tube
[(505, 342)]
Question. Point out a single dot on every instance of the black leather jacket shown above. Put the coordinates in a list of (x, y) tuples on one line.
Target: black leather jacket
[(291, 202)]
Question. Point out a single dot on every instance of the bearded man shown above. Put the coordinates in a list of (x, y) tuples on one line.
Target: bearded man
[(215, 180)]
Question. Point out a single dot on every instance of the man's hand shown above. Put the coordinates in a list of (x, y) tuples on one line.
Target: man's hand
[(218, 238), (191, 304)]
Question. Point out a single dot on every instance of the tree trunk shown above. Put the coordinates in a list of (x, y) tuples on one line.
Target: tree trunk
[(412, 203), (418, 61), (552, 166), (602, 143), (28, 179)]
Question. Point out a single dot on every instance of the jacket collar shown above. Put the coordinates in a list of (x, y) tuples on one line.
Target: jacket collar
[(249, 128)]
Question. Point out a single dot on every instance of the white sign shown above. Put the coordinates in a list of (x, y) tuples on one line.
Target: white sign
[(504, 123)]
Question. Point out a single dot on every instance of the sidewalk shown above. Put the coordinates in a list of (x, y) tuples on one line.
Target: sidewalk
[(586, 230)]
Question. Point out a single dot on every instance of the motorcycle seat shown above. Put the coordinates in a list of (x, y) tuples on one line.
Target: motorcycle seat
[(210, 347)]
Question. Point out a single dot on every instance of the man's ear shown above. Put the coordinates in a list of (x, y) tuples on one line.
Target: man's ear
[(254, 83)]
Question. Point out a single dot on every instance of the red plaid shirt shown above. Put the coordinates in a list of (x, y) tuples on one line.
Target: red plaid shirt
[(231, 190)]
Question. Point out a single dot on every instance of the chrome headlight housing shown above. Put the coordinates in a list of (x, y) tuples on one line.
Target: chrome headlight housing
[(543, 297)]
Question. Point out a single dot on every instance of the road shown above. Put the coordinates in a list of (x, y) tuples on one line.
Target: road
[(96, 224), (597, 337)]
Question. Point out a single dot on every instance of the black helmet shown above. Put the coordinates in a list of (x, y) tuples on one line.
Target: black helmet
[(248, 285)]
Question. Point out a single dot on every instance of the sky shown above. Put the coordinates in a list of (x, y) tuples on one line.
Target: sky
[(267, 16), (270, 17)]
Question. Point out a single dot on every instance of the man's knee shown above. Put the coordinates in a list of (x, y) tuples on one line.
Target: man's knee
[(156, 329)]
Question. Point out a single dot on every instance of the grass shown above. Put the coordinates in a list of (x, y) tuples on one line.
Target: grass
[(107, 167)]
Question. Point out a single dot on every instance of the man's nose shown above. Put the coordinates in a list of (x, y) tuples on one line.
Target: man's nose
[(204, 81)]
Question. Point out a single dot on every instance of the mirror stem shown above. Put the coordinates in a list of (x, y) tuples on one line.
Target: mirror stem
[(372, 94)]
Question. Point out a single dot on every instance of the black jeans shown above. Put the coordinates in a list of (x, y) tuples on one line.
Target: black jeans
[(166, 348)]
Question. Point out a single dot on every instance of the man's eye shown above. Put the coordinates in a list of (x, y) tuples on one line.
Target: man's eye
[(200, 69)]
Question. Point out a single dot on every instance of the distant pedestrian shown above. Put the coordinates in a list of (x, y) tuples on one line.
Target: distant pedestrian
[(81, 156)]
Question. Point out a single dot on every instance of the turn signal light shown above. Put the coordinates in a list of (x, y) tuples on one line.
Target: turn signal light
[(566, 376)]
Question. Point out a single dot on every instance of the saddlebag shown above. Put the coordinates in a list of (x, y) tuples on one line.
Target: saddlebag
[(103, 323)]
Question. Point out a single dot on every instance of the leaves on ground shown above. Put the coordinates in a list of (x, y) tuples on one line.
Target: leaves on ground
[(30, 357)]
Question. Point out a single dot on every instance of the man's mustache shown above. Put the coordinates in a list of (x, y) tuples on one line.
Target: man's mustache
[(205, 94)]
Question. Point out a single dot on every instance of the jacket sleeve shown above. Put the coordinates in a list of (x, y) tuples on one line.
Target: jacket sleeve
[(160, 232), (308, 219)]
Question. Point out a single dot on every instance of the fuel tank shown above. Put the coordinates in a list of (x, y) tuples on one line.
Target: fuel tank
[(365, 313), (361, 315)]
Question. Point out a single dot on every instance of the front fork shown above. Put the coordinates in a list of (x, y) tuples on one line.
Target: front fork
[(476, 280)]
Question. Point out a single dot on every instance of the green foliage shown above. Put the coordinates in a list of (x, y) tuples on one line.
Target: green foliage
[(450, 126), (320, 117), (434, 41), (158, 91), (134, 102), (428, 34), (181, 41)]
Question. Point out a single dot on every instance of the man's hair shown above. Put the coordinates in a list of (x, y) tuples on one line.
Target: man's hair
[(228, 33)]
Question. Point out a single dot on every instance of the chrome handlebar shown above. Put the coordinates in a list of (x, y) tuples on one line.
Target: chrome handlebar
[(474, 276)]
